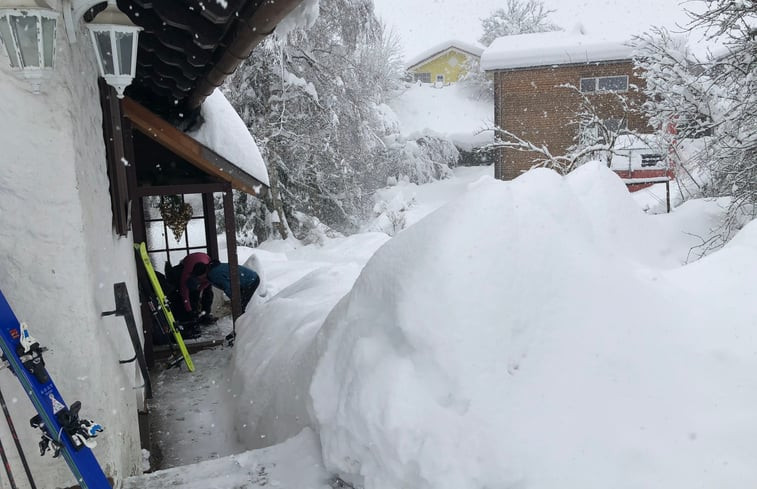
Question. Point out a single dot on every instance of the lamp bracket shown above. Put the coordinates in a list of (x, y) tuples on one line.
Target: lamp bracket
[(74, 10)]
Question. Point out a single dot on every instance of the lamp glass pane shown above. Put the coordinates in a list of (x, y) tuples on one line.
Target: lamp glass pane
[(124, 41), (48, 41), (105, 50), (7, 38), (26, 30)]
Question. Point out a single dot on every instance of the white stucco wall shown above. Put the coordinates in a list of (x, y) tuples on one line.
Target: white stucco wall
[(59, 259)]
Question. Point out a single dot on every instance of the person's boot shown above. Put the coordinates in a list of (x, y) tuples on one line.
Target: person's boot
[(207, 319)]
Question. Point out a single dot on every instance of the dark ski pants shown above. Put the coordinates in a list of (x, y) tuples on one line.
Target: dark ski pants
[(248, 291)]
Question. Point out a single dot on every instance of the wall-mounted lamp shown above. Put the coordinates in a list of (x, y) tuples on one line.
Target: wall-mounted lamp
[(28, 33), (115, 39)]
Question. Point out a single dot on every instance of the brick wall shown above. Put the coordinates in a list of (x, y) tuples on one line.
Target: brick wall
[(529, 103)]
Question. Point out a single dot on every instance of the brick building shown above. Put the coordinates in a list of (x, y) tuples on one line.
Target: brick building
[(532, 101)]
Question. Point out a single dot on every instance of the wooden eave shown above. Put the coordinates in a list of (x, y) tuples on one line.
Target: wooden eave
[(189, 149)]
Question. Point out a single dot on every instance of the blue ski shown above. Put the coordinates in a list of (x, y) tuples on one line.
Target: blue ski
[(63, 431)]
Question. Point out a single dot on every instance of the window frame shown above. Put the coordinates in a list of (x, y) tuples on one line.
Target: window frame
[(596, 82), (423, 77)]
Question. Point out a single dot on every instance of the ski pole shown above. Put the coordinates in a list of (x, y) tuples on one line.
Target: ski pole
[(16, 441), (7, 467)]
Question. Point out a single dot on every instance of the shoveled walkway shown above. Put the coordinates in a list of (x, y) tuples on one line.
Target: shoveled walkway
[(194, 444), (294, 464), (190, 416)]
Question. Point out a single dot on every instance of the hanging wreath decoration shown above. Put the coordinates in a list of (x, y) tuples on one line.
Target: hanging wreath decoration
[(176, 214)]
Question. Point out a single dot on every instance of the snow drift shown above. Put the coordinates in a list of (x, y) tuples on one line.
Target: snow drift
[(540, 334)]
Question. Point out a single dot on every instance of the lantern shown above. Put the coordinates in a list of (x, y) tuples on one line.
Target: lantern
[(28, 34), (115, 39)]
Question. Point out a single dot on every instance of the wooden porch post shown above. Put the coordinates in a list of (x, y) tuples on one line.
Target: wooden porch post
[(231, 247), (139, 234), (211, 235)]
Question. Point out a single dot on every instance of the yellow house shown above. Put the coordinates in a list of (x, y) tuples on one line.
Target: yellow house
[(444, 63)]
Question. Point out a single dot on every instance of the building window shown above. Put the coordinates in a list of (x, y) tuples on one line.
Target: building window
[(588, 84), (423, 77), (439, 78), (615, 125), (161, 238), (592, 134), (648, 160), (605, 84)]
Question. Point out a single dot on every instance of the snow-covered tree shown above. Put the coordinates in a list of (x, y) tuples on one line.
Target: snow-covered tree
[(311, 100), (516, 17), (713, 100), (478, 84), (314, 101)]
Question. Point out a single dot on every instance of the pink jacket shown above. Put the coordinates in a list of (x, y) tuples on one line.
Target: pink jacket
[(189, 262)]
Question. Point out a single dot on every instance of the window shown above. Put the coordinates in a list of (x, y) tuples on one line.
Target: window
[(612, 84), (592, 134), (423, 77), (161, 237), (651, 160), (615, 125), (604, 84), (439, 78), (588, 84)]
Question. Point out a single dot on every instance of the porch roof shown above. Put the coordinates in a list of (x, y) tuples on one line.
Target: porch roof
[(187, 48), (187, 148)]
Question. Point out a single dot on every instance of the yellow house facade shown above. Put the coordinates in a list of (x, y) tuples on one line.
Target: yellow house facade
[(444, 63)]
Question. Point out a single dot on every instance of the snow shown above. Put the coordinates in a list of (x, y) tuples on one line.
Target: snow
[(409, 203), (470, 48), (59, 257), (422, 23), (258, 469), (537, 333), (303, 16), (449, 112), (189, 413), (225, 132), (554, 48)]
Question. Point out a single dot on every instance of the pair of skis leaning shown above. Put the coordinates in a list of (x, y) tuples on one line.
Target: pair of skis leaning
[(161, 310), (63, 431)]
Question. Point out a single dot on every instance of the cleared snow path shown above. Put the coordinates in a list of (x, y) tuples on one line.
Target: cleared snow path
[(294, 464), (191, 421)]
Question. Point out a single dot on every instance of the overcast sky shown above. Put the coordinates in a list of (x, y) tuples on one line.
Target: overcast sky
[(425, 23)]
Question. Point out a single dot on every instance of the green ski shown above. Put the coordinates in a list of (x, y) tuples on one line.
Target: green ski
[(163, 304)]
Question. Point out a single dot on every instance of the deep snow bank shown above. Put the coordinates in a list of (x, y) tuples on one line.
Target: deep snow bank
[(273, 356), (447, 112), (528, 335)]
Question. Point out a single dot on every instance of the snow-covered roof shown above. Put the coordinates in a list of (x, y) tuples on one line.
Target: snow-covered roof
[(553, 48), (434, 51), (226, 133)]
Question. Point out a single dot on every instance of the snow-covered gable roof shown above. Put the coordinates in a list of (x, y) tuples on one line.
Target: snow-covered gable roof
[(442, 48), (553, 48)]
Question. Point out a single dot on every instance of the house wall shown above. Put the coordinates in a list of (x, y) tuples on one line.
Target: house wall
[(531, 104), (450, 64), (59, 259)]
